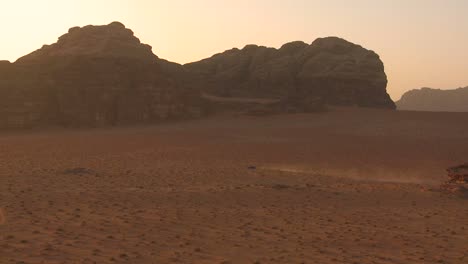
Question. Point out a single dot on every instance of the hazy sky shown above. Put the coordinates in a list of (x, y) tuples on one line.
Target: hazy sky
[(422, 42)]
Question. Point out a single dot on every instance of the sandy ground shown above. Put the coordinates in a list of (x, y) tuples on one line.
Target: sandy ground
[(340, 187)]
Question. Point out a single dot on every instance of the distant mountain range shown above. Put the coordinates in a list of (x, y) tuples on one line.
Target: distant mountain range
[(437, 100)]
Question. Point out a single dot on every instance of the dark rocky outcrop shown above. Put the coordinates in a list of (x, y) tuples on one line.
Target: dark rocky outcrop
[(436, 100), (458, 181), (330, 70), (93, 76), (458, 174)]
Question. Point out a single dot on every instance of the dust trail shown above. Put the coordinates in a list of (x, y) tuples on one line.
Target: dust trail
[(368, 174)]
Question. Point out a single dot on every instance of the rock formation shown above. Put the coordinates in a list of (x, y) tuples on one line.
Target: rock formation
[(330, 70), (93, 76), (436, 100), (104, 75), (458, 181), (458, 174)]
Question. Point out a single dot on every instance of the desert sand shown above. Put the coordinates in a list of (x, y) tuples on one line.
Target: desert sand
[(346, 186)]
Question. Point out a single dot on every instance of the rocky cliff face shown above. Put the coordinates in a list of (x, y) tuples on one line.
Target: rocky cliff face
[(23, 98), (427, 99), (93, 76), (330, 69)]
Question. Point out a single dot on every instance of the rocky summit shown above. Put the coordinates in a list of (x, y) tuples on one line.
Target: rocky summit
[(331, 70), (93, 76)]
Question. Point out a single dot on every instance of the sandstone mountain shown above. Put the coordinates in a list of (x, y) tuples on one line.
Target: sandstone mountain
[(331, 70), (104, 75), (427, 99), (93, 76)]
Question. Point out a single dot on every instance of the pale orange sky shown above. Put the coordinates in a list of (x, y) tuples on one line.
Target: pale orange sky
[(422, 42)]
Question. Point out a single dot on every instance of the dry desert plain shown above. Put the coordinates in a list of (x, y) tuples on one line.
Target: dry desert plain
[(346, 186)]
